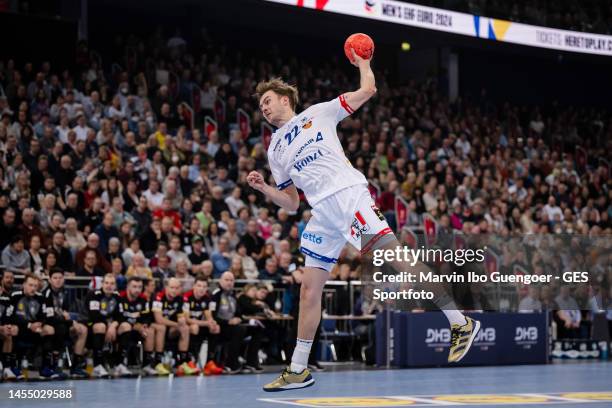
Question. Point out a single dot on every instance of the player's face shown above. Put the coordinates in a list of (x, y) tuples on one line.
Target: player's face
[(57, 280), (200, 288), (135, 289), (273, 106), (173, 289), (30, 287), (108, 285)]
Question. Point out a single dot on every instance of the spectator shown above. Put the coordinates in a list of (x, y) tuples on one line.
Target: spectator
[(221, 258), (252, 241), (531, 302), (132, 250), (248, 264), (8, 228), (15, 258), (93, 242), (182, 274), (105, 232), (234, 202), (90, 268), (197, 255), (176, 254), (36, 257), (74, 238), (138, 268)]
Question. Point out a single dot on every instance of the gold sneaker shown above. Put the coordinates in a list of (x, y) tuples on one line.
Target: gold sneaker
[(290, 381), (462, 338)]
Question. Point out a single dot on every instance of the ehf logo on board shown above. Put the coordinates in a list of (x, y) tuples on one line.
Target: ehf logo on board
[(369, 6), (438, 338), (526, 335), (485, 337)]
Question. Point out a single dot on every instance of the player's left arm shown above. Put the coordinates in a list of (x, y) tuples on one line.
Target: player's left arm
[(367, 84), (287, 198)]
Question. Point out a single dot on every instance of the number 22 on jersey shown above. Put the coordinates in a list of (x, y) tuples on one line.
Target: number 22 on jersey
[(292, 135)]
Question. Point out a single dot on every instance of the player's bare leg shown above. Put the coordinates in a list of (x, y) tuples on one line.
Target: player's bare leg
[(99, 331), (183, 366), (149, 363), (298, 375), (79, 333), (463, 328), (124, 333), (160, 342)]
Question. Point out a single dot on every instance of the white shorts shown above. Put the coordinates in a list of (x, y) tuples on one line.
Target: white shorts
[(343, 217)]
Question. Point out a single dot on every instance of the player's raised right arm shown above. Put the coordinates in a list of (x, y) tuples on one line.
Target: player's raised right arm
[(288, 198), (367, 84)]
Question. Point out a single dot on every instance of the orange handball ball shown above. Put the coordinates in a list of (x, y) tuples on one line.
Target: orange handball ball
[(361, 43)]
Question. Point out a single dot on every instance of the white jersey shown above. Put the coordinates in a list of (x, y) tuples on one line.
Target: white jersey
[(306, 152)]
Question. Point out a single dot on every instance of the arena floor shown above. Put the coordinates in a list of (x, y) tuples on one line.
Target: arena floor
[(568, 385)]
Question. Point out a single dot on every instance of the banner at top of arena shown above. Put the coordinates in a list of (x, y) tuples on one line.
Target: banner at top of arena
[(461, 23)]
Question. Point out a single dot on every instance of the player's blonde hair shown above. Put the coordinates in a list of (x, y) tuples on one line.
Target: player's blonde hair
[(280, 87)]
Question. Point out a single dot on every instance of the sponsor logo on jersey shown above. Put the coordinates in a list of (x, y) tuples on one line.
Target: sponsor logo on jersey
[(359, 226), (279, 149), (276, 146), (306, 122), (302, 163), (378, 213), (315, 239), (301, 149)]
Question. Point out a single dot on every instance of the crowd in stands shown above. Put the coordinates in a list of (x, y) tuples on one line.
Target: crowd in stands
[(103, 177), (588, 16)]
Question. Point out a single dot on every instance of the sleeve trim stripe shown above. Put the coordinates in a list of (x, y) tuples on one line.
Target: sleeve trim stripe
[(345, 105), (284, 185)]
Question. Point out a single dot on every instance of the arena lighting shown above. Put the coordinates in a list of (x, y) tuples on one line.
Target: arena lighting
[(452, 22)]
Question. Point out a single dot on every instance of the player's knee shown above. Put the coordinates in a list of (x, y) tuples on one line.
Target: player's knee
[(124, 327), (81, 330), (99, 328), (309, 294)]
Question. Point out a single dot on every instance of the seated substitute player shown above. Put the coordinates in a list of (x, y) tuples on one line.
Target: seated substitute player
[(170, 312), (104, 316), (8, 332), (305, 153), (153, 355), (202, 326), (135, 326), (29, 315), (60, 315)]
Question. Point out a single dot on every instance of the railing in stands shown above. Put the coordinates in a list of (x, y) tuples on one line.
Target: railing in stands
[(196, 93), (191, 115), (401, 211)]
